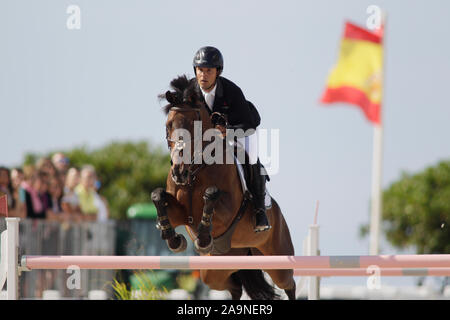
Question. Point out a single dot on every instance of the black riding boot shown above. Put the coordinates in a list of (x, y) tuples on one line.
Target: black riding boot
[(259, 192)]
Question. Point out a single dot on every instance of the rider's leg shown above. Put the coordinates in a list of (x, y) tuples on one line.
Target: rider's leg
[(259, 182)]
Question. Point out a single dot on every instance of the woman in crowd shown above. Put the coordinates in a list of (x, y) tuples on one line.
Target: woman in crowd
[(6, 187), (56, 194), (32, 188), (70, 202), (85, 191), (61, 163), (45, 165)]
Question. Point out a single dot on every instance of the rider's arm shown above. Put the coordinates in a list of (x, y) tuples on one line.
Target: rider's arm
[(239, 112)]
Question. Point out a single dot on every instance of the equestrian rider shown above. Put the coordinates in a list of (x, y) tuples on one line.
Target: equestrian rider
[(223, 96)]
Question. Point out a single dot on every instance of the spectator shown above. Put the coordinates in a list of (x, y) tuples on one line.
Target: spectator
[(86, 193), (61, 163), (56, 193), (17, 177), (45, 165), (6, 187), (28, 172), (70, 202), (31, 187), (43, 191), (101, 204)]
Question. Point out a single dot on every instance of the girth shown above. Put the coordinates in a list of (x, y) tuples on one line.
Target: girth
[(222, 243)]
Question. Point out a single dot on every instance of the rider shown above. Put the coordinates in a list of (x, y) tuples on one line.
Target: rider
[(223, 96)]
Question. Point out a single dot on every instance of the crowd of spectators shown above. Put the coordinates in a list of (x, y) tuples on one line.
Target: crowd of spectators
[(51, 189)]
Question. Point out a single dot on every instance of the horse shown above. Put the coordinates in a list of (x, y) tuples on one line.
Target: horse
[(207, 200)]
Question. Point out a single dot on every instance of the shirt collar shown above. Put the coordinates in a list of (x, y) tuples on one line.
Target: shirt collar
[(212, 92)]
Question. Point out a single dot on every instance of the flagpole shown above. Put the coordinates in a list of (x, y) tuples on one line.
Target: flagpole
[(376, 205), (377, 169)]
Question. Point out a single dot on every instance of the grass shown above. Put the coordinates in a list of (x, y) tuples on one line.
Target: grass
[(145, 291)]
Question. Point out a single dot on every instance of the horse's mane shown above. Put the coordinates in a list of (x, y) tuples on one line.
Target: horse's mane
[(184, 95)]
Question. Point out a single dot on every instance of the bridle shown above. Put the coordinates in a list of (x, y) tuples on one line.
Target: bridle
[(192, 172), (180, 144)]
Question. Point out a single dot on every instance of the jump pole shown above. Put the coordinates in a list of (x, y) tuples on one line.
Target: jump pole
[(236, 262)]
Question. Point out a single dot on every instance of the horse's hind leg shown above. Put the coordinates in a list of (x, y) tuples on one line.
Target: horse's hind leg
[(284, 279), (222, 280), (235, 287), (279, 243), (291, 292)]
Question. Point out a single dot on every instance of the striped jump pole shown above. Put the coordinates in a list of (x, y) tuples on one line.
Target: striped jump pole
[(237, 262)]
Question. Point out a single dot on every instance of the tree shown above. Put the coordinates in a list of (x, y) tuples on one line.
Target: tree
[(416, 211), (128, 171)]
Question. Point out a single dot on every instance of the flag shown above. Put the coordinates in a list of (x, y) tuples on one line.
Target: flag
[(357, 76), (3, 205)]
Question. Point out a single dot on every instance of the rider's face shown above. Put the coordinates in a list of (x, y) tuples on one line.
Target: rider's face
[(206, 77)]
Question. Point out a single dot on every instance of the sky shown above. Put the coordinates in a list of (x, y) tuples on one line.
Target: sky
[(61, 88)]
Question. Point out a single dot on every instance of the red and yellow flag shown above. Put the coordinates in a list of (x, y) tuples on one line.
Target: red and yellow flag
[(357, 76)]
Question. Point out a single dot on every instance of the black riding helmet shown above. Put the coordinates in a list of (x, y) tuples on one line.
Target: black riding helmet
[(208, 57)]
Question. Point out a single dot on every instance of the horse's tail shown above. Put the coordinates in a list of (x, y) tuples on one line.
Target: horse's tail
[(255, 284)]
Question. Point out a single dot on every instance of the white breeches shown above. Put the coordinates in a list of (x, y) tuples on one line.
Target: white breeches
[(251, 146)]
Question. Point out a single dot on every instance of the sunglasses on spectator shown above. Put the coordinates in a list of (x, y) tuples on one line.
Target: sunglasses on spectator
[(64, 160)]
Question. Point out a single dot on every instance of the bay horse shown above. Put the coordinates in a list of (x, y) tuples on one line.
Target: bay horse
[(208, 201)]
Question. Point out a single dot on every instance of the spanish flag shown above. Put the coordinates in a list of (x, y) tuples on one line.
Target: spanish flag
[(357, 76)]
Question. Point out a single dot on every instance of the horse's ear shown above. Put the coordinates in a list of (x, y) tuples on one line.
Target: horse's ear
[(169, 97)]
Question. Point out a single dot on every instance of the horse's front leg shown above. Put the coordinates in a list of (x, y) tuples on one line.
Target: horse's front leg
[(204, 242), (167, 206)]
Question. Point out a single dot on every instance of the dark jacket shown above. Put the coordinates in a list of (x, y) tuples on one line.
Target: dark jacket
[(230, 101), (30, 210)]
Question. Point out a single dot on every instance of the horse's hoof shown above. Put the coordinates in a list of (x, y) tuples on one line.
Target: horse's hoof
[(203, 250), (177, 247)]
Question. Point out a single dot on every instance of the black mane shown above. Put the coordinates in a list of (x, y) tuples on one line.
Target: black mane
[(185, 94)]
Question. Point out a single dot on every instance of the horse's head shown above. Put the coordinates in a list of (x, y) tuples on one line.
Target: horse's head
[(185, 112)]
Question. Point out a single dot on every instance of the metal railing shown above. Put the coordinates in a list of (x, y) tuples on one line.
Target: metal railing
[(113, 237)]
